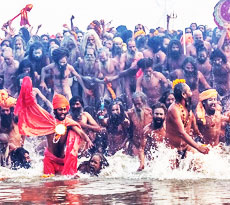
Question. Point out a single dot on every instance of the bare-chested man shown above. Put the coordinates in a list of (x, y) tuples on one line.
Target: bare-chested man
[(152, 83), (87, 67), (10, 67), (175, 57), (88, 124), (221, 72), (140, 116), (117, 125), (198, 42), (108, 67), (209, 117), (155, 132), (154, 52), (117, 49), (179, 121), (60, 71), (193, 77), (129, 60), (203, 64)]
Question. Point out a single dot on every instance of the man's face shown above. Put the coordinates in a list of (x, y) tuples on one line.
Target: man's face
[(193, 27), (89, 56), (79, 37), (5, 111), (37, 54), (18, 44), (116, 110), (132, 47), (103, 57), (95, 164), (166, 43), (187, 95), (202, 57), (60, 113), (138, 27), (6, 117), (138, 104), (109, 44), (188, 30), (8, 58), (148, 73), (118, 45), (175, 51), (26, 70), (170, 99), (70, 45), (62, 63), (59, 37), (210, 105), (76, 108), (90, 41), (45, 39), (158, 117), (198, 37), (189, 69), (217, 62)]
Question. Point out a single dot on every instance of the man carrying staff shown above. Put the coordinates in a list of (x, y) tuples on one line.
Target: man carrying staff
[(179, 121), (60, 131)]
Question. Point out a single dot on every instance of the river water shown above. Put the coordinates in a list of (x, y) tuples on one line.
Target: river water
[(200, 179)]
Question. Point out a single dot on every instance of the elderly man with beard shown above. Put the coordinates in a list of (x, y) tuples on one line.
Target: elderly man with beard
[(117, 125), (59, 72), (152, 83), (88, 67), (154, 133), (179, 121), (203, 64), (209, 118), (9, 69), (129, 61), (140, 116), (220, 73), (193, 77), (175, 56), (198, 43), (19, 48), (117, 48), (88, 124), (63, 134)]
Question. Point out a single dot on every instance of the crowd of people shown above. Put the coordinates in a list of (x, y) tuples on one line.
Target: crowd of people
[(112, 89)]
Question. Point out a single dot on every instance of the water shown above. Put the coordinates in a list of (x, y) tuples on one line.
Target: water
[(208, 182)]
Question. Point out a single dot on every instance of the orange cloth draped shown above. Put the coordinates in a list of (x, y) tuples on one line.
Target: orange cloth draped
[(139, 33), (200, 111), (35, 121)]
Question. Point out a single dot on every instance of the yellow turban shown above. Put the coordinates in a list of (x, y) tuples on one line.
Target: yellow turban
[(139, 33), (117, 40), (200, 111), (9, 102)]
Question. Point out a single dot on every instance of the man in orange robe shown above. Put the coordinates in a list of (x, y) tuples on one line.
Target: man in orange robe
[(60, 131)]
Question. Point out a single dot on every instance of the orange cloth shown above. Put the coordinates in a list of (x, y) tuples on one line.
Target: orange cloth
[(60, 101), (33, 120), (188, 39), (3, 95), (111, 91), (200, 111), (139, 33)]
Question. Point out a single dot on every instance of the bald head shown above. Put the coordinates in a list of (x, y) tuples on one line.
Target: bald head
[(8, 56), (197, 35)]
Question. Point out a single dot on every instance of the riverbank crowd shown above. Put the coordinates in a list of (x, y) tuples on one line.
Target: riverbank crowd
[(94, 93)]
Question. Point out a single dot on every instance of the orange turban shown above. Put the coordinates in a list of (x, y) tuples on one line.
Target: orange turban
[(139, 33), (9, 102), (60, 101), (188, 39), (200, 111)]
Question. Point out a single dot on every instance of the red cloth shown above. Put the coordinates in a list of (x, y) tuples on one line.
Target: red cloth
[(33, 120)]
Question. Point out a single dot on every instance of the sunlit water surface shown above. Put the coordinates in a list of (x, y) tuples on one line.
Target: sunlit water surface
[(208, 182)]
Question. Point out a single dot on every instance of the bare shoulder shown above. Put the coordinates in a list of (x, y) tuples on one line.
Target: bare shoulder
[(148, 110)]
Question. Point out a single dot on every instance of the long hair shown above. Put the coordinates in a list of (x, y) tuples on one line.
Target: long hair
[(26, 64), (89, 33), (174, 42)]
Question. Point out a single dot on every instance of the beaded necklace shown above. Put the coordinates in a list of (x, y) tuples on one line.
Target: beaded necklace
[(184, 120)]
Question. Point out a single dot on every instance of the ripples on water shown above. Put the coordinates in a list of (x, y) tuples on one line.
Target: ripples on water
[(121, 184)]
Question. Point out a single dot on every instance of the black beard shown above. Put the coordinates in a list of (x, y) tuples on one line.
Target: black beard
[(188, 103), (57, 116), (199, 44), (6, 121), (62, 70), (114, 121), (175, 55), (117, 51), (36, 58), (157, 124), (76, 113), (211, 112), (201, 60)]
